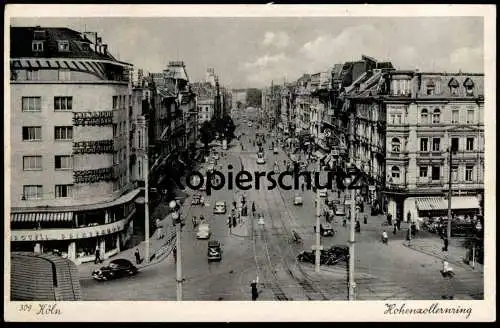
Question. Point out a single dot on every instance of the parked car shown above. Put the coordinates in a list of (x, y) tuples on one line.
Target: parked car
[(275, 150), (203, 231), (214, 250), (260, 158), (298, 200), (325, 229), (115, 269), (220, 207)]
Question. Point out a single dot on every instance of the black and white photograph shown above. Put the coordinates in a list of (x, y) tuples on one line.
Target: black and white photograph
[(250, 154)]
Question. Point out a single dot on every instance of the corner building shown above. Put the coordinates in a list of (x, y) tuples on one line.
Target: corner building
[(70, 159), (427, 115)]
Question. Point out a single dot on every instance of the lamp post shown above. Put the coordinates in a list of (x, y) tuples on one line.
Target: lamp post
[(145, 163), (177, 221), (352, 241), (318, 232), (449, 193)]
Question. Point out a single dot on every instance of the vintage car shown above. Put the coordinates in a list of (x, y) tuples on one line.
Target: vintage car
[(203, 231), (260, 158), (323, 193), (298, 200), (339, 210), (214, 251), (220, 207), (325, 230), (275, 150), (196, 200), (115, 269)]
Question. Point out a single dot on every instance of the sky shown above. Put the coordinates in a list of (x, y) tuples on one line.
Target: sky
[(252, 52)]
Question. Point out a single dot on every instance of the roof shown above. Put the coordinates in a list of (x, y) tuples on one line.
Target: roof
[(21, 39), (43, 277)]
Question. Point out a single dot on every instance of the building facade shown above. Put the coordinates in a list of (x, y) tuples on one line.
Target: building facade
[(70, 118), (427, 115)]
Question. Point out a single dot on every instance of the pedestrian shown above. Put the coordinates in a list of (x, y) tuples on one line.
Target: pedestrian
[(358, 226), (194, 222), (97, 255), (389, 219), (234, 221), (395, 229), (253, 208), (365, 219), (229, 221), (255, 292), (398, 223), (445, 247), (137, 256)]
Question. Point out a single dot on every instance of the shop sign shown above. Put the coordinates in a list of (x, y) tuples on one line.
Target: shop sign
[(67, 234)]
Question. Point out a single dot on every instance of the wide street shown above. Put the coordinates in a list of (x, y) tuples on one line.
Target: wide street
[(392, 271)]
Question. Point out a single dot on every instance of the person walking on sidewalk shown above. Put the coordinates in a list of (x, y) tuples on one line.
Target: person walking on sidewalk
[(137, 256), (253, 209), (253, 286), (97, 255)]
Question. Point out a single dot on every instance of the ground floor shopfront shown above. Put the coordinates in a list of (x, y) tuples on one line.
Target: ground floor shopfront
[(419, 208), (76, 234)]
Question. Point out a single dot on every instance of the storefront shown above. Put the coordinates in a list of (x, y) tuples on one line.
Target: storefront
[(104, 225)]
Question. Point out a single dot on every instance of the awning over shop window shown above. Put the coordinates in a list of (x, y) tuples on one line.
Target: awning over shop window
[(42, 217), (440, 203)]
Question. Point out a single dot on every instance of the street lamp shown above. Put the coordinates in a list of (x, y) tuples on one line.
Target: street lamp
[(347, 182), (177, 221)]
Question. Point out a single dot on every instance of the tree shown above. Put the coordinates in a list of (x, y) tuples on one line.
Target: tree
[(206, 133)]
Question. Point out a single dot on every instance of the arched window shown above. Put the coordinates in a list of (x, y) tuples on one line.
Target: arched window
[(396, 145), (424, 116), (395, 172), (436, 116)]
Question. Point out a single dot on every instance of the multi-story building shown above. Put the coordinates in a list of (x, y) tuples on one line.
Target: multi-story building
[(70, 174), (303, 104), (205, 100), (175, 126), (427, 115)]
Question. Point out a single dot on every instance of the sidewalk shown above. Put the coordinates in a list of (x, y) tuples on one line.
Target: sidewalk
[(159, 249), (434, 247)]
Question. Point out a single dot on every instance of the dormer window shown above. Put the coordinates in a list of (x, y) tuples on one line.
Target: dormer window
[(431, 87), (37, 46), (63, 46), (469, 87), (453, 84)]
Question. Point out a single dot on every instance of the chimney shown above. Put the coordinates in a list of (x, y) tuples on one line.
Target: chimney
[(92, 36), (104, 49)]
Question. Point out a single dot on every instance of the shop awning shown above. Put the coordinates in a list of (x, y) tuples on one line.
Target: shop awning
[(440, 203), (42, 217)]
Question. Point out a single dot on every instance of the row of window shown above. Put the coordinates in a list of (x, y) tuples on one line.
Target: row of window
[(34, 133), (436, 144), (119, 129), (435, 173), (62, 45), (63, 74), (425, 116), (31, 192), (34, 104), (65, 103), (34, 163)]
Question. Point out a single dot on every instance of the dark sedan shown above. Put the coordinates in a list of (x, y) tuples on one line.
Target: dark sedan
[(115, 269)]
